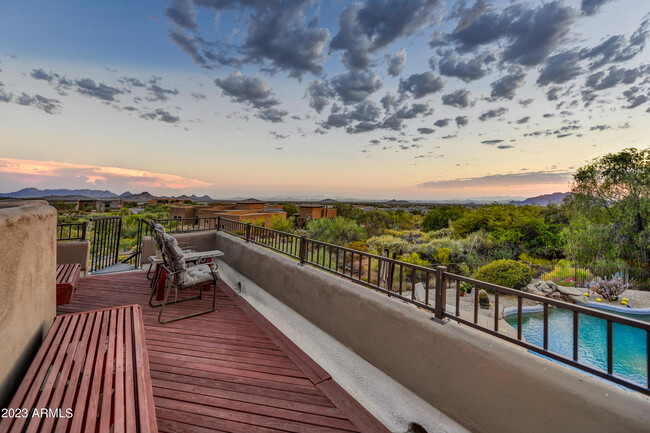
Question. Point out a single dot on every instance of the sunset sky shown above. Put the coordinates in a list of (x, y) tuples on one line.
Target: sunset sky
[(410, 99)]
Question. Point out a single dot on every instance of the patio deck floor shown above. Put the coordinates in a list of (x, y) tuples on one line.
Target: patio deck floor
[(227, 371)]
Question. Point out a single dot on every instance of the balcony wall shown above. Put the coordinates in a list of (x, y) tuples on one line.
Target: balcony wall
[(27, 286), (483, 383)]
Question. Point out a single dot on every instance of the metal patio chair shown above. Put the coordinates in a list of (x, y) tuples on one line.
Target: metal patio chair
[(181, 277)]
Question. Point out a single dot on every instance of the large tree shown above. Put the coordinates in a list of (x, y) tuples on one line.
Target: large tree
[(610, 206)]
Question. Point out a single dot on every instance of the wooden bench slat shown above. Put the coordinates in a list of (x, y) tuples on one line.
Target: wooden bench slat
[(98, 374), (41, 371), (77, 371), (67, 276), (105, 403), (129, 394), (147, 408), (48, 388), (118, 409)]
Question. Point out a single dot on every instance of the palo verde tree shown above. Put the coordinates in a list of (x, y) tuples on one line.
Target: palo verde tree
[(610, 210)]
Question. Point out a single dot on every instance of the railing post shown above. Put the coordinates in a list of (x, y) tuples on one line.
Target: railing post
[(248, 232), (303, 249), (441, 294), (218, 223), (83, 230)]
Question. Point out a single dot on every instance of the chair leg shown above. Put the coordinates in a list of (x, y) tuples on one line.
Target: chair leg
[(149, 271), (155, 289), (214, 304)]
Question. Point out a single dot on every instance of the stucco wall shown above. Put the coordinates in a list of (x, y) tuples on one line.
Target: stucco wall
[(73, 252), (27, 286), (483, 383)]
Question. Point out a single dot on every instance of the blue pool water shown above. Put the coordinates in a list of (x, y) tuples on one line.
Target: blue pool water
[(629, 350)]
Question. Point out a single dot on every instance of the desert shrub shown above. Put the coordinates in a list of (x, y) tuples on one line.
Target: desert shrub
[(394, 244), (414, 259), (280, 223), (508, 273), (440, 217), (338, 230)]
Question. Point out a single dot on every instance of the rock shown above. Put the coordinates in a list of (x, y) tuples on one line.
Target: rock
[(571, 291), (577, 299), (556, 295), (544, 287), (483, 299), (531, 288), (548, 290), (552, 285)]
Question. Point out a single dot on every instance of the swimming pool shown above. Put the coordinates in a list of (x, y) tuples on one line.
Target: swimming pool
[(629, 344)]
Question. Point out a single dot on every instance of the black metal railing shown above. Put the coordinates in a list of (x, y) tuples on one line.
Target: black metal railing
[(71, 231), (105, 242), (428, 289), (456, 280)]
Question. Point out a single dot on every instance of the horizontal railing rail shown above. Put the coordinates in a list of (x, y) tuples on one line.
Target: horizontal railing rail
[(427, 288), (71, 231)]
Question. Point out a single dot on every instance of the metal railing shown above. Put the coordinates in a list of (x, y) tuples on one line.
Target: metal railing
[(71, 231), (400, 280), (428, 289)]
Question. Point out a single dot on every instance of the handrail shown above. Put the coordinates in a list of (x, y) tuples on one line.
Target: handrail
[(399, 279)]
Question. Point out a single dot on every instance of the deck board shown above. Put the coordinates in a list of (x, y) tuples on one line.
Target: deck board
[(228, 371)]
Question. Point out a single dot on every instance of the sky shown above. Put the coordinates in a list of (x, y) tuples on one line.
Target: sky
[(381, 99)]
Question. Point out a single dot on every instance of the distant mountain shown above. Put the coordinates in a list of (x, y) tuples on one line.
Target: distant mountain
[(38, 193), (543, 200), (126, 194), (397, 202), (143, 196)]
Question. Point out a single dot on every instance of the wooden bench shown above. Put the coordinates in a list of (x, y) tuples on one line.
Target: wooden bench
[(91, 374), (67, 276)]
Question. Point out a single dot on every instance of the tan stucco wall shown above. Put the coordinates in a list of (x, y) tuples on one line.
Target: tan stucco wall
[(27, 286), (73, 252), (484, 383)]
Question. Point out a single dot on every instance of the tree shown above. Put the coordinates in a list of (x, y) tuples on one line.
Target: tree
[(290, 209), (335, 231), (610, 209), (440, 217)]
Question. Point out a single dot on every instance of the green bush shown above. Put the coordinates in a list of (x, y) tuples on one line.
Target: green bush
[(508, 273), (338, 230)]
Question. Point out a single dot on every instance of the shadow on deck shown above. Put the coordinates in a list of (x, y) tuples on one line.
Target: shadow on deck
[(227, 371)]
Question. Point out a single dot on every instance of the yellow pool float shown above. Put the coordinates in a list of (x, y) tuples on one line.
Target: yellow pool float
[(624, 302), (599, 300)]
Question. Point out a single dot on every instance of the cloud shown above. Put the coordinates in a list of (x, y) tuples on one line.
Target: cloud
[(277, 36), (248, 90), (523, 120), (420, 85), (618, 49), (355, 86), (198, 96), (426, 130), (367, 27), (552, 94), (600, 127), (441, 123), (561, 178), (319, 92), (336, 120), (461, 121), (52, 173), (591, 7), (451, 65), (366, 111), (272, 115), (505, 146), (396, 62), (278, 136), (530, 34), (560, 68), (491, 142), (491, 114), (182, 14), (162, 115), (605, 80), (506, 87), (458, 98), (158, 93), (39, 74), (88, 87), (50, 106), (634, 99)]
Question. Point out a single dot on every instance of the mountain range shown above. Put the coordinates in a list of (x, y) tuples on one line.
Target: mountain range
[(542, 200)]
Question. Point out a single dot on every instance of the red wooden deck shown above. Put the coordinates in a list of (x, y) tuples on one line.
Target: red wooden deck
[(227, 371)]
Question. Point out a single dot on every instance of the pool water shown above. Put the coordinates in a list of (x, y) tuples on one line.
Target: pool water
[(629, 350)]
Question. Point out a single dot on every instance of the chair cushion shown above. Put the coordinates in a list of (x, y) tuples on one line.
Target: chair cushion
[(196, 275), (175, 253)]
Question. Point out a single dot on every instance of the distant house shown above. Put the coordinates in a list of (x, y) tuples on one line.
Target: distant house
[(310, 212), (245, 210)]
